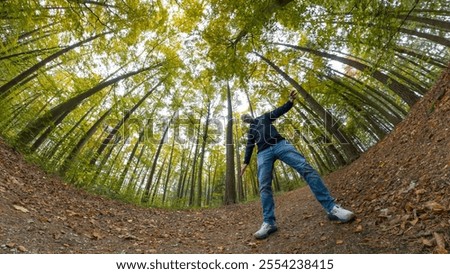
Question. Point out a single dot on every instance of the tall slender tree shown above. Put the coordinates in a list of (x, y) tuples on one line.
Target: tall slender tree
[(230, 180)]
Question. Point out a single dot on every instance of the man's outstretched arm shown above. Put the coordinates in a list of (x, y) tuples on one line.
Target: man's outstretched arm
[(284, 108)]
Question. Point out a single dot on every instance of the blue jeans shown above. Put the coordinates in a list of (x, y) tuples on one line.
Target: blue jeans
[(289, 155)]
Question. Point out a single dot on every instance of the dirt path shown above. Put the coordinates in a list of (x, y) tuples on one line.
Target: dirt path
[(399, 190), (39, 214)]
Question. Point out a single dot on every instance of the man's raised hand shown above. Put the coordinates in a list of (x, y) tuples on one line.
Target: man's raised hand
[(293, 95)]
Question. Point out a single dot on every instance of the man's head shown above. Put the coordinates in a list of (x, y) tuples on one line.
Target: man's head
[(247, 118)]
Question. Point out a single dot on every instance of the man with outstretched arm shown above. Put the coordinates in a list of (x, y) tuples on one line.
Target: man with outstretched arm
[(272, 146)]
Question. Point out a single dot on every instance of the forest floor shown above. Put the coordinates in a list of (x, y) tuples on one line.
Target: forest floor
[(399, 190)]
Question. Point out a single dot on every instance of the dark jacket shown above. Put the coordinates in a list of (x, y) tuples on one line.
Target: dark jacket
[(263, 133)]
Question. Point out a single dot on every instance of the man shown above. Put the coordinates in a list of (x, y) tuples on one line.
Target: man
[(272, 146)]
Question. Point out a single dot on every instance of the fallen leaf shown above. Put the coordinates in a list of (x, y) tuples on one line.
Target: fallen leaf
[(414, 222), (384, 213), (420, 191), (441, 250), (358, 229), (21, 208), (424, 216), (440, 243), (409, 207), (44, 219), (395, 220), (434, 206), (96, 235), (10, 245), (71, 213), (427, 242), (21, 248), (404, 219)]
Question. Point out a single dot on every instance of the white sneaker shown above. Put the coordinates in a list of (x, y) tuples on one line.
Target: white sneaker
[(340, 214), (265, 230)]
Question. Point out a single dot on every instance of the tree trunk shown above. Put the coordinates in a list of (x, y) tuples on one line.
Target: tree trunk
[(77, 148), (429, 21), (121, 122), (202, 156), (323, 168), (249, 103), (13, 117), (230, 179), (337, 155), (66, 136), (253, 177), (131, 157), (158, 180), (34, 52), (146, 195), (401, 90), (6, 87), (276, 181), (47, 132), (380, 99), (429, 59), (357, 103), (140, 139), (194, 167), (434, 38), (240, 185), (169, 170), (100, 166), (35, 127), (183, 176)]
